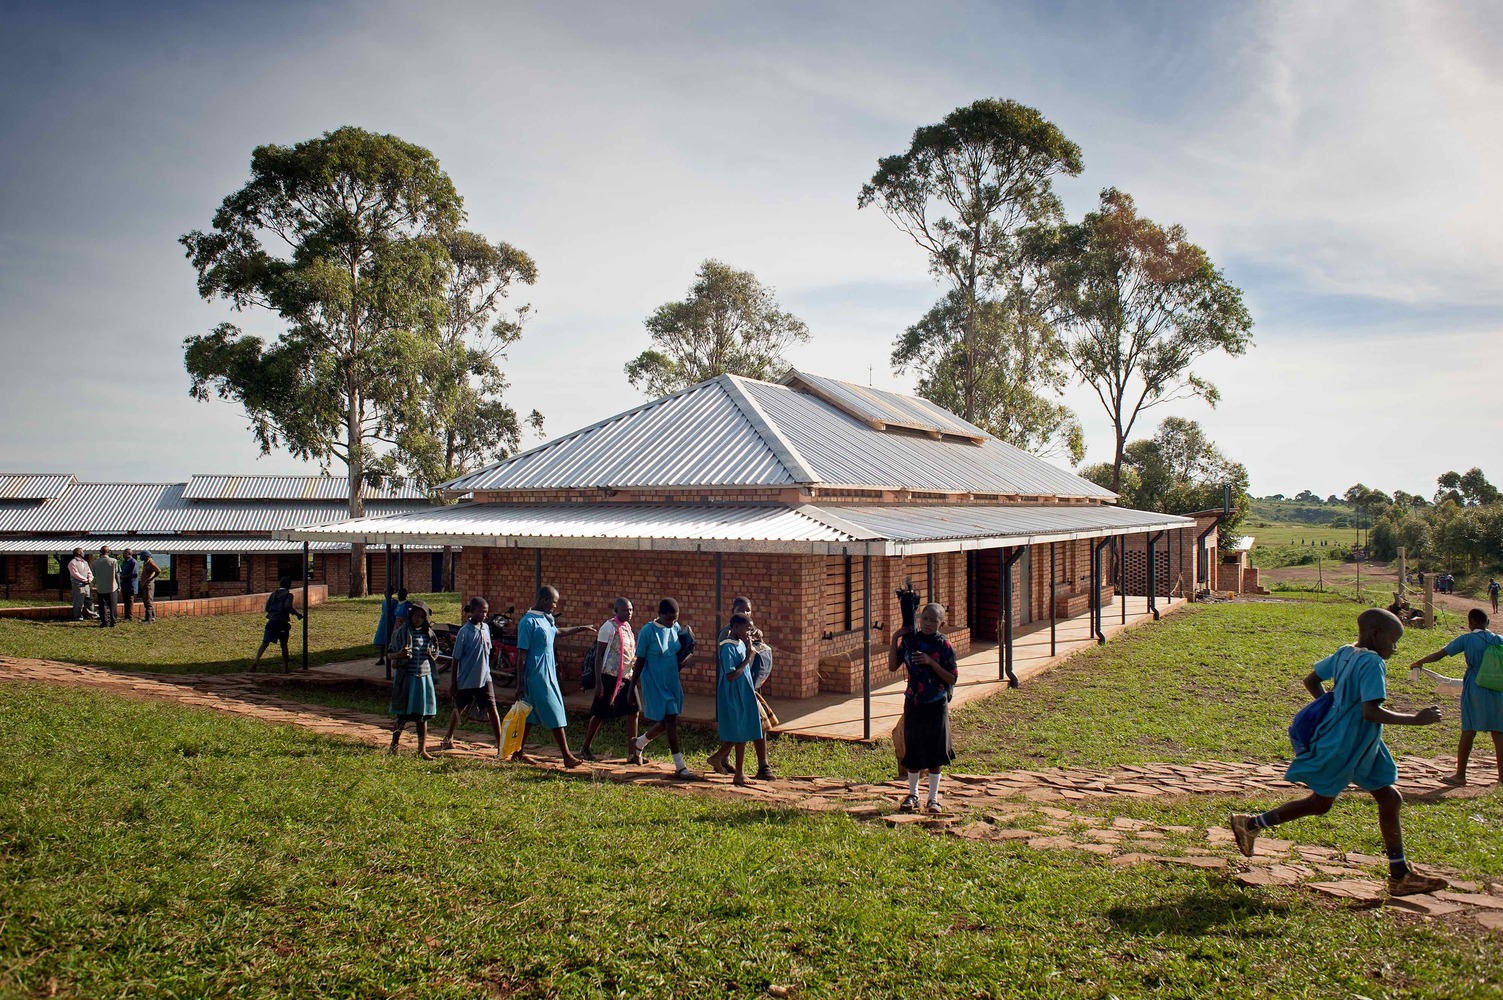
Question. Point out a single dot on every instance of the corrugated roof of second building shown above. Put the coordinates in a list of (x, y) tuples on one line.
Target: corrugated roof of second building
[(732, 431)]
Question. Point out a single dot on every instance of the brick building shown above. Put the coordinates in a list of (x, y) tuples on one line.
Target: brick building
[(212, 535), (812, 497)]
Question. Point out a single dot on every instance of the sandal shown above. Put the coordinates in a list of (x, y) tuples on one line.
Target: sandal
[(765, 774), (445, 745), (635, 758), (684, 774), (586, 755)]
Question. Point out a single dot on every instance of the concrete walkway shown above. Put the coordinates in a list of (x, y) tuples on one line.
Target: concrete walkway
[(840, 716)]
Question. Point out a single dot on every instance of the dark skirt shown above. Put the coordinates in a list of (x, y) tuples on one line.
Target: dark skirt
[(926, 736), (607, 708)]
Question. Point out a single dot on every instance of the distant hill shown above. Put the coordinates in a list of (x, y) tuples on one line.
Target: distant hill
[(1299, 512)]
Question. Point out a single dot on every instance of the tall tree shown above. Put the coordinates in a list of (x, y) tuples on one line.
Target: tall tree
[(729, 324), (1143, 304), (343, 239), (968, 191), (1009, 372), (467, 421), (1469, 488)]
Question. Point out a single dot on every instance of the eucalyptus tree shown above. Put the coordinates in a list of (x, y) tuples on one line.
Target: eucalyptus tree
[(1142, 304), (730, 323), (971, 191), (343, 240)]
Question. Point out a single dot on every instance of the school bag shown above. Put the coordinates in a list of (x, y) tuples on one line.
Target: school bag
[(1307, 720), (761, 667), (587, 674), (1490, 671)]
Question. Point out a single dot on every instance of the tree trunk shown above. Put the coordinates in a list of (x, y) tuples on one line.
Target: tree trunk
[(1117, 459), (357, 500)]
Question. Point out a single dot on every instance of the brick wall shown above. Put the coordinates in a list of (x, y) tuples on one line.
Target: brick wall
[(1175, 562), (785, 592)]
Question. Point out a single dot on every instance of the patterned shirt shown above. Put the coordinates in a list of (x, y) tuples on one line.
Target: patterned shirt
[(924, 685)]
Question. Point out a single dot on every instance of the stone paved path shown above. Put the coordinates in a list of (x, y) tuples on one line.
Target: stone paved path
[(1017, 805)]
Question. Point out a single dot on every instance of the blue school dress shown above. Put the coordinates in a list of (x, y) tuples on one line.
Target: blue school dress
[(662, 691), (412, 693), (736, 699), (1346, 748), (387, 621), (535, 634), (1481, 709)]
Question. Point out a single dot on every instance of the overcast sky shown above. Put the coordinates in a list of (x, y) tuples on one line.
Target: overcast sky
[(1340, 161)]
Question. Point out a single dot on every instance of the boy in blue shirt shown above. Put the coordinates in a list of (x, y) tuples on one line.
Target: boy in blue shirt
[(1348, 747), (471, 682)]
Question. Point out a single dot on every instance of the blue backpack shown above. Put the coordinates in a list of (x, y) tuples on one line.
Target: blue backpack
[(1307, 720)]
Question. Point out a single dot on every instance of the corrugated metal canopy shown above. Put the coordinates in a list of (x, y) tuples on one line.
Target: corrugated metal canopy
[(291, 488), (731, 431), (826, 529), (33, 486), (169, 546), (160, 508)]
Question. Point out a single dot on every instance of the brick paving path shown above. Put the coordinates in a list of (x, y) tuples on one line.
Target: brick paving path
[(1016, 805)]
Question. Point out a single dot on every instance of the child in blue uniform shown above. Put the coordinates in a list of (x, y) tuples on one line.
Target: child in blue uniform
[(1348, 747), (413, 698), (736, 712), (660, 656), (932, 673), (1481, 709), (538, 684)]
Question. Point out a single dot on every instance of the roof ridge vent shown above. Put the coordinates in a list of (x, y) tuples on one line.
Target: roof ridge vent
[(886, 411)]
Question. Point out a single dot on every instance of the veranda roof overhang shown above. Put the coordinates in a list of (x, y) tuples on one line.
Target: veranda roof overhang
[(163, 545), (856, 529)]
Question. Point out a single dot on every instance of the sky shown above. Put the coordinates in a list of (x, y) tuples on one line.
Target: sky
[(1340, 162)]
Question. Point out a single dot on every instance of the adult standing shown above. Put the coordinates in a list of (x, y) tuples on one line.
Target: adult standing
[(538, 685), (107, 586), (615, 658), (130, 575), (663, 647), (81, 577), (1493, 587), (1481, 708), (149, 573)]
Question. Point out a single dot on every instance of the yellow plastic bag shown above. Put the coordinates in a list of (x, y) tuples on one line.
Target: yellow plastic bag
[(513, 727)]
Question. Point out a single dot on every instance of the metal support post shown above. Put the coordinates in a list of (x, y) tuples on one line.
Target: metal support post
[(1121, 548), (719, 597), (1053, 588), (537, 571), (1097, 622), (1153, 583), (866, 647), (305, 605), (931, 577), (1007, 564)]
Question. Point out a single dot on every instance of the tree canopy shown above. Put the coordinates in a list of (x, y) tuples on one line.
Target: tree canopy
[(730, 323), (1469, 488), (344, 239), (1142, 303), (969, 191)]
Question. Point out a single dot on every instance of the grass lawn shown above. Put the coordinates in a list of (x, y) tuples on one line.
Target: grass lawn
[(156, 851), (31, 602), (342, 629), (1274, 534)]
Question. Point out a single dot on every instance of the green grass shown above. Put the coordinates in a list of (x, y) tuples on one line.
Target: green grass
[(31, 602), (156, 851), (1274, 534), (342, 629)]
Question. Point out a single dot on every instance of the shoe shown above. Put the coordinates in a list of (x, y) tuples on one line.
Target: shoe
[(1413, 882), (684, 774), (934, 808), (1244, 831), (909, 804), (765, 774)]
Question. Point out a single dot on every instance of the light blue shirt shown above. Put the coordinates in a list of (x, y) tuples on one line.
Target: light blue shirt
[(472, 656)]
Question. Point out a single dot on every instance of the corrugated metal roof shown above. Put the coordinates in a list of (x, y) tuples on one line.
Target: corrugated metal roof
[(872, 529), (604, 525), (33, 486), (844, 451), (169, 546), (696, 437), (732, 431), (291, 488), (875, 406), (160, 508)]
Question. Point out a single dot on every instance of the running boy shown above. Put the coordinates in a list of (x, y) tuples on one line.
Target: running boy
[(1348, 747), (471, 683)]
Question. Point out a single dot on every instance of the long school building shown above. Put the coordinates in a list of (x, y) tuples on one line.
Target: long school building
[(813, 497), (213, 535)]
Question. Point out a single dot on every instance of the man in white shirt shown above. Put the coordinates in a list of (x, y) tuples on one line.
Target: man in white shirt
[(81, 577)]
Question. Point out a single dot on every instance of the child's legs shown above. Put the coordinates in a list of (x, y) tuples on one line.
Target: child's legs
[(761, 747), (453, 722), (740, 757), (561, 738), (1389, 803), (285, 657), (631, 726), (1310, 805), (670, 726), (654, 732), (1498, 753), (590, 731), (496, 724), (262, 650), (1464, 751)]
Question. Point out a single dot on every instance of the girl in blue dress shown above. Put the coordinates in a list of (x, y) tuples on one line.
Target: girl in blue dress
[(1481, 709), (663, 647), (736, 712), (538, 685), (412, 653), (385, 626)]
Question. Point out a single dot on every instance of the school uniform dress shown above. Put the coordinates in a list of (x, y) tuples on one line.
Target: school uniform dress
[(613, 696), (1481, 709), (662, 691), (926, 706), (472, 667), (1346, 748), (387, 622), (736, 712), (412, 693), (535, 634)]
